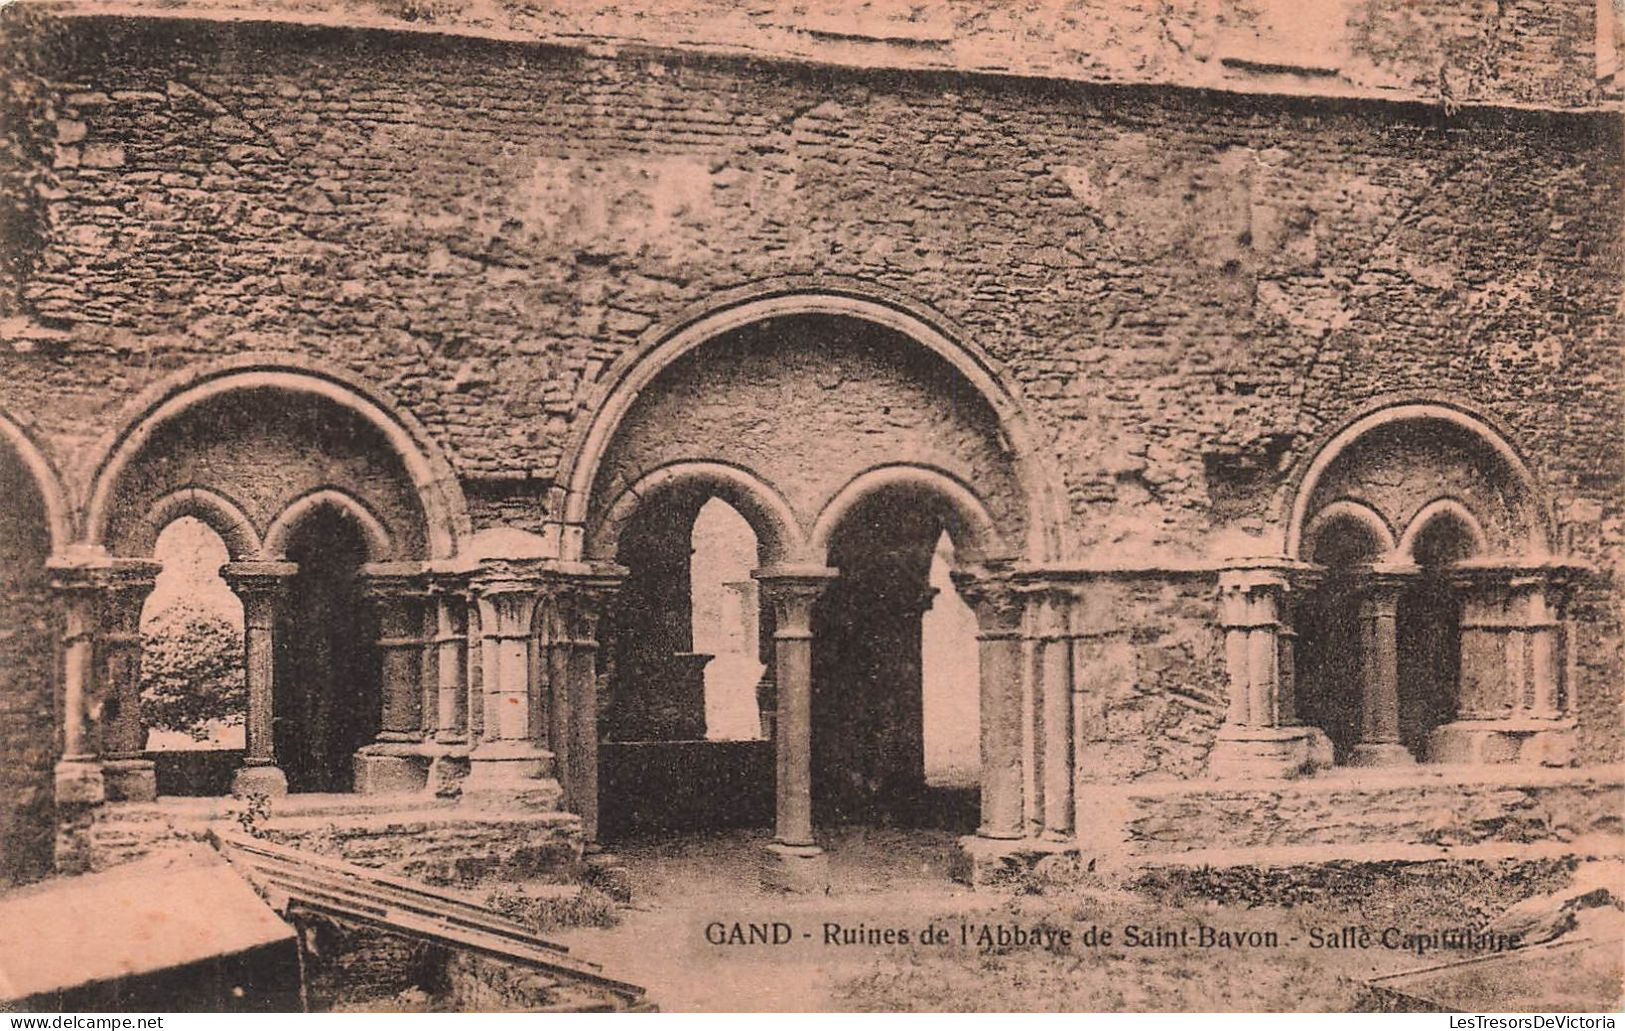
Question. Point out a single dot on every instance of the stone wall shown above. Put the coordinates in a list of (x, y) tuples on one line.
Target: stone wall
[(1186, 287), (29, 738), (1148, 677), (1190, 290), (1351, 812)]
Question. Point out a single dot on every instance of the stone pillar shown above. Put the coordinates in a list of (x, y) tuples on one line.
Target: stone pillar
[(581, 606), (1379, 673), (80, 587), (792, 591), (260, 586), (1514, 688), (127, 774), (1260, 737), (79, 784), (396, 761), (449, 606), (509, 763), (999, 609), (1052, 751)]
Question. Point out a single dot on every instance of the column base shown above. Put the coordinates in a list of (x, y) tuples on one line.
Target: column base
[(266, 780), (1527, 742), (80, 782), (512, 773), (1381, 754), (795, 869), (1268, 753), (606, 872), (391, 768), (130, 780)]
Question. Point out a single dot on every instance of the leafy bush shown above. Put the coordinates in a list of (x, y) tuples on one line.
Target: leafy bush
[(191, 671)]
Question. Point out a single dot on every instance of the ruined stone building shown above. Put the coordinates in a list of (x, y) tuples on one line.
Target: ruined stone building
[(1245, 375)]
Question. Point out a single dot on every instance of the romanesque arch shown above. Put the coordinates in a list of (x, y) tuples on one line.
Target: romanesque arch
[(808, 412), (214, 510), (776, 527), (331, 501), (1427, 453), (1435, 628), (952, 503), (1045, 512), (220, 393)]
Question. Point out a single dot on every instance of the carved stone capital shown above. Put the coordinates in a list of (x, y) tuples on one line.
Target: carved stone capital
[(999, 603), (792, 591)]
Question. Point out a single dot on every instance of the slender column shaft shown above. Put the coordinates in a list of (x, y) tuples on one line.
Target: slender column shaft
[(451, 665), (80, 594), (560, 692), (792, 595), (1379, 675), (584, 609), (129, 775), (1379, 711), (1057, 722), (260, 586), (998, 614)]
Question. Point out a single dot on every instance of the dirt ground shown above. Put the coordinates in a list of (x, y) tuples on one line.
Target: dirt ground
[(688, 937)]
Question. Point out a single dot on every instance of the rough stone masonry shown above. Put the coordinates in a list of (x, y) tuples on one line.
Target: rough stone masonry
[(1246, 371)]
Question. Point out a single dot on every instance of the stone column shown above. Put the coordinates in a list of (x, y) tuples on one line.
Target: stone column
[(128, 775), (999, 609), (1514, 688), (509, 763), (1260, 737), (1052, 751), (1379, 673), (80, 586), (396, 761), (260, 586), (582, 606), (449, 605), (792, 591)]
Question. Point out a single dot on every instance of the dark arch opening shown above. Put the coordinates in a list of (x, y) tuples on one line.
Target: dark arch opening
[(868, 693), (29, 734), (684, 744), (1429, 634), (1328, 660), (328, 696)]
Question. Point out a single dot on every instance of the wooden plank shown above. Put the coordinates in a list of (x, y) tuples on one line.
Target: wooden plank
[(490, 945), (287, 874), (322, 884)]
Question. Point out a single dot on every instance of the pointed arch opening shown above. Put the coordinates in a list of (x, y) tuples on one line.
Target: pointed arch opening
[(686, 714), (879, 730)]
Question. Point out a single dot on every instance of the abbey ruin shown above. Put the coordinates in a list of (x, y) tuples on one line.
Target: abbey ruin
[(1252, 382)]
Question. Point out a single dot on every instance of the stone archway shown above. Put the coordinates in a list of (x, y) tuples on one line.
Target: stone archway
[(827, 400), (928, 333), (659, 769), (1438, 594), (880, 534), (257, 447)]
